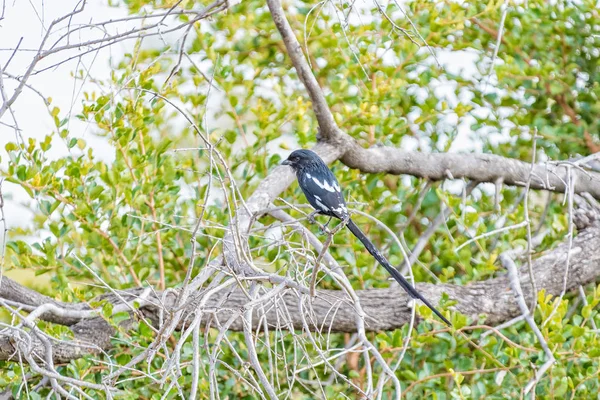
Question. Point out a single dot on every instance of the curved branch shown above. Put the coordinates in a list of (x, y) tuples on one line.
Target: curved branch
[(385, 309), (13, 292), (488, 168), (434, 166)]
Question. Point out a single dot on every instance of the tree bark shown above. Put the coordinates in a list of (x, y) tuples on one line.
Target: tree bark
[(386, 309)]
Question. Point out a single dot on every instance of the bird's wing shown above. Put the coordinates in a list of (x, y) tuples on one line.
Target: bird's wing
[(323, 192)]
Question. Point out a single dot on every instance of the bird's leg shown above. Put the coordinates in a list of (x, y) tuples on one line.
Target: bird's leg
[(311, 217), (324, 229), (343, 222)]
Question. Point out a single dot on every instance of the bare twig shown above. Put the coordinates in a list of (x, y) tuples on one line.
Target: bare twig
[(513, 274), (328, 241)]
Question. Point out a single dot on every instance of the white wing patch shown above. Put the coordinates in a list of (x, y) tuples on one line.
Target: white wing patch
[(341, 209), (322, 206), (326, 185)]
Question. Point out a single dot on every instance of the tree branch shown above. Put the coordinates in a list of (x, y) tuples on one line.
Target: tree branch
[(385, 309), (477, 167), (434, 166), (329, 129)]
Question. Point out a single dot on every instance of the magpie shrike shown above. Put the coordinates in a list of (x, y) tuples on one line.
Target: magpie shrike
[(323, 192)]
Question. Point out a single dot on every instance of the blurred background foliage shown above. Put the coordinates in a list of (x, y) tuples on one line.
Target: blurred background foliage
[(129, 221)]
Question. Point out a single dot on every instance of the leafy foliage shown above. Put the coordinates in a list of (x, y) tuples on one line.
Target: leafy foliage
[(129, 220)]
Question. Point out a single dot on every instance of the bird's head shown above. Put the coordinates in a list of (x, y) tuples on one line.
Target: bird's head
[(302, 159)]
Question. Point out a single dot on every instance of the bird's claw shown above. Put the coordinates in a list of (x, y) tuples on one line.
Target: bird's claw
[(324, 230), (311, 217), (311, 220)]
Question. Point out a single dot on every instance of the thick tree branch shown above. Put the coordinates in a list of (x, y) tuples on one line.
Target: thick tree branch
[(386, 309), (477, 167), (12, 292), (434, 166)]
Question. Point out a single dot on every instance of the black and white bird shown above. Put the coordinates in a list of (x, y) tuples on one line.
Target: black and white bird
[(323, 192)]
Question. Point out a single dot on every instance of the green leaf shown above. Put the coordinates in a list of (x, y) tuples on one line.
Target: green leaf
[(22, 172)]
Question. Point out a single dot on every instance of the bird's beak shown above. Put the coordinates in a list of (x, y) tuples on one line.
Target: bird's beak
[(286, 162)]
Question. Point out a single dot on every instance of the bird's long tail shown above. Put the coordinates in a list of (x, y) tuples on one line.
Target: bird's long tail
[(412, 292)]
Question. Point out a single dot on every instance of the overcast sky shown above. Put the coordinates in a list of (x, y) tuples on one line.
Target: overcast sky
[(26, 22)]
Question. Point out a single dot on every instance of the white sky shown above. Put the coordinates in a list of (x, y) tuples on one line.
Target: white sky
[(29, 20)]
